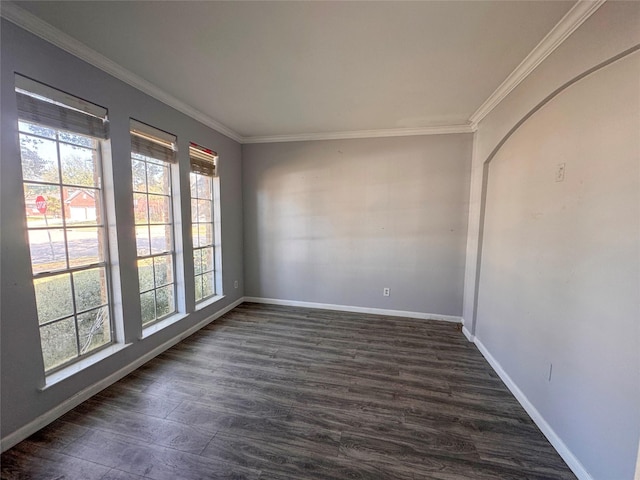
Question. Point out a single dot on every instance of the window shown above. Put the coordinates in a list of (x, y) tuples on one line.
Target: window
[(152, 153), (203, 170), (60, 143)]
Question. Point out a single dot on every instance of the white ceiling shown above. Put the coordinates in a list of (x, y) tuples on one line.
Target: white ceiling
[(288, 68)]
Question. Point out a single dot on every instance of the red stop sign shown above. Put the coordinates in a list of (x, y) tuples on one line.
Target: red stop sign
[(41, 204)]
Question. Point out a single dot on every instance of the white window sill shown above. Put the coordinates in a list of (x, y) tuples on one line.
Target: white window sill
[(161, 325), (80, 365), (208, 302)]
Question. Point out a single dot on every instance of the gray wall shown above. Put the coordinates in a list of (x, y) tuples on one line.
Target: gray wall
[(21, 360), (612, 29), (337, 221), (560, 271)]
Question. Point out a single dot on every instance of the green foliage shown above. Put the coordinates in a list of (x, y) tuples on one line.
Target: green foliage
[(161, 303), (40, 156), (53, 296), (78, 171), (54, 207)]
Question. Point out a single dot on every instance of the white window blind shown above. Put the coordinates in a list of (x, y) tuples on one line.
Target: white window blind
[(152, 142), (41, 104), (203, 160)]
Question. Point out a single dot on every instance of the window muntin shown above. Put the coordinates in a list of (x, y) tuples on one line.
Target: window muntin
[(203, 169), (152, 202), (67, 240)]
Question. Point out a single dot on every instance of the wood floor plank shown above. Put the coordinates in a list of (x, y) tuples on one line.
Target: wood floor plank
[(58, 434), (144, 428), (159, 463), (279, 461), (272, 393), (115, 474), (30, 461)]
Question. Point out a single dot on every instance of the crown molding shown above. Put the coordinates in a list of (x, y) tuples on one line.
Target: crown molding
[(49, 33), (42, 29), (567, 25), (391, 132), (575, 17)]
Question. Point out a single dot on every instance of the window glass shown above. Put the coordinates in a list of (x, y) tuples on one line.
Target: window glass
[(202, 221), (152, 204), (63, 195)]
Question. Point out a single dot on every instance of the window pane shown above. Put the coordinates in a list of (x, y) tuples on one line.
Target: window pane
[(193, 184), (159, 209), (195, 235), (194, 210), (163, 268), (81, 206), (140, 208), (206, 234), (47, 250), (160, 239), (78, 139), (90, 288), (145, 274), (63, 216), (52, 207), (53, 297), (156, 274), (204, 211), (142, 240), (204, 187), (58, 343), (158, 178), (79, 166), (139, 175), (202, 235), (39, 159), (198, 279), (94, 329), (36, 130), (165, 303), (197, 261), (208, 286), (148, 307), (85, 245), (207, 259)]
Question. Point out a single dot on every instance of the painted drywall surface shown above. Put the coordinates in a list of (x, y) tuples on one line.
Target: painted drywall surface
[(560, 275), (612, 29), (21, 362), (337, 221)]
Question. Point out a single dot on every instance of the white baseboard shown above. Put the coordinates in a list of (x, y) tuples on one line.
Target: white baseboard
[(468, 334), (557, 443), (56, 412), (347, 308)]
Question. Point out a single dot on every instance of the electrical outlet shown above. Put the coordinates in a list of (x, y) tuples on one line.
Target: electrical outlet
[(560, 172), (235, 284), (386, 292)]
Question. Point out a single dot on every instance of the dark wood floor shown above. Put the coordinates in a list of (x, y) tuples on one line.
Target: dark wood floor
[(279, 393)]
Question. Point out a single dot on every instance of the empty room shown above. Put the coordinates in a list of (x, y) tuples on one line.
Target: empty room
[(274, 240)]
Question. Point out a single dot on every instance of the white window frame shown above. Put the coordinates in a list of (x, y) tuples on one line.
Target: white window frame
[(105, 264), (161, 140), (204, 166)]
